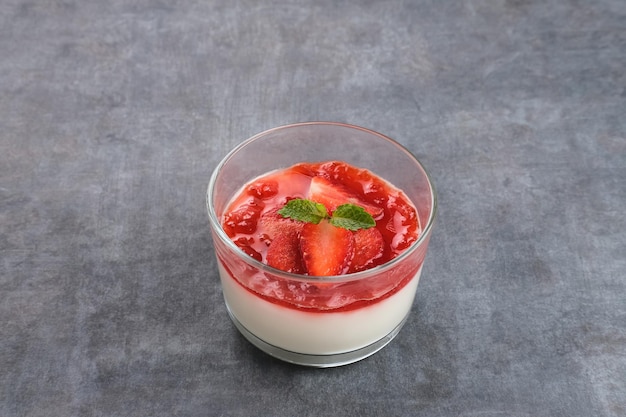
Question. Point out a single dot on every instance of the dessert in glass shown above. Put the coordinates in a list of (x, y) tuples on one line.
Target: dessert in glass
[(320, 231)]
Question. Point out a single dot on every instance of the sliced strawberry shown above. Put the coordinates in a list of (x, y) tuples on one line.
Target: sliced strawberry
[(244, 218), (326, 250), (284, 253), (368, 249), (333, 195), (273, 224)]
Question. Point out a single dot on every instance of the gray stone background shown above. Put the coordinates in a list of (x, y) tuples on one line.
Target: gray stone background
[(114, 113)]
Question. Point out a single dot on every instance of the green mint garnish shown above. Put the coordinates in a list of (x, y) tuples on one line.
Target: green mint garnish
[(304, 210), (347, 216), (352, 217)]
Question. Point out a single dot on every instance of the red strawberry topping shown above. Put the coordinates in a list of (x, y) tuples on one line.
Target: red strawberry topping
[(245, 244), (244, 218), (326, 250), (341, 171), (284, 253), (333, 195), (263, 189), (369, 246), (273, 224)]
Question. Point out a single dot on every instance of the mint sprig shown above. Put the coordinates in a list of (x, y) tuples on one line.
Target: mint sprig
[(304, 210), (352, 217), (347, 216)]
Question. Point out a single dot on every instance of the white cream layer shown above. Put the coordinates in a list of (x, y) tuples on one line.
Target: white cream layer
[(317, 333)]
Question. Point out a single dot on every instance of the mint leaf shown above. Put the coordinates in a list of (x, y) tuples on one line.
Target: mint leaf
[(304, 210), (352, 217), (346, 216)]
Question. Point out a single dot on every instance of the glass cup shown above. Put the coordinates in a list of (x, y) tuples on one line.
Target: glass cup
[(368, 308)]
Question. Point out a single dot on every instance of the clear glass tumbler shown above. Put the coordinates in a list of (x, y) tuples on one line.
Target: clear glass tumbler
[(258, 297)]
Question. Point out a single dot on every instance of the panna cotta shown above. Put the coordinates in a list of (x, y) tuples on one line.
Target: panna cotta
[(312, 332), (323, 286), (320, 230)]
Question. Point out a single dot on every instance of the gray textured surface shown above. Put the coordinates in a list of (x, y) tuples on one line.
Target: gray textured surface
[(113, 114)]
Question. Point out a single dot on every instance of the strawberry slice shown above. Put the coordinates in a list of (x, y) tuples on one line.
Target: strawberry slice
[(333, 195), (284, 253), (368, 248), (326, 250), (273, 224)]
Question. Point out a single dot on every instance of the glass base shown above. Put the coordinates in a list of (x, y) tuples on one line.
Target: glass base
[(316, 361)]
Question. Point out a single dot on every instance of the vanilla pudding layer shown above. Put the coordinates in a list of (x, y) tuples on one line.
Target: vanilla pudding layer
[(317, 333)]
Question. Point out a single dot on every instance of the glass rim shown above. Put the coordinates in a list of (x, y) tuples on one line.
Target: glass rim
[(217, 226)]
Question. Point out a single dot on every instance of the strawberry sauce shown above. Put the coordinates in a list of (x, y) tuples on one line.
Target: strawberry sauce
[(252, 222)]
